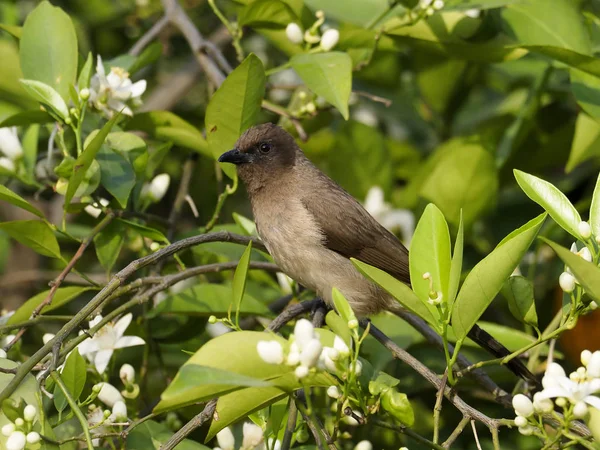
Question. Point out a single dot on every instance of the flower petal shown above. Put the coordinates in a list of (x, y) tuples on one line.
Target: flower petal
[(138, 88), (592, 400), (101, 360), (553, 392), (129, 341), (122, 324), (87, 346)]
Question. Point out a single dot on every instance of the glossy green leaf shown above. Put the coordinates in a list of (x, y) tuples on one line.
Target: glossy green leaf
[(84, 161), (595, 209), (234, 108), (35, 234), (62, 296), (586, 89), (83, 81), (486, 279), (328, 75), (206, 299), (401, 292), (116, 173), (518, 292), (164, 125), (150, 435), (108, 243), (47, 96), (73, 375), (586, 273), (13, 30), (398, 406), (239, 279), (430, 253), (131, 147), (464, 177), (339, 326), (48, 48), (30, 150), (579, 61), (456, 264), (551, 199), (26, 118), (358, 12), (586, 142), (9, 196), (267, 14), (342, 306), (145, 231)]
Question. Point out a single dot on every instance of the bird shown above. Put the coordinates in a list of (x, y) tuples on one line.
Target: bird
[(312, 228)]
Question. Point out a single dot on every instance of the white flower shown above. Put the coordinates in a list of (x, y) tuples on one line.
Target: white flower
[(276, 445), (29, 413), (593, 365), (438, 4), (2, 354), (253, 436), (392, 219), (294, 33), (473, 13), (225, 439), (521, 421), (522, 405), (364, 445), (311, 353), (301, 371), (16, 441), (333, 392), (580, 409), (217, 329), (47, 337), (7, 164), (119, 411), (19, 422), (270, 351), (8, 429), (108, 93), (328, 357), (108, 339), (573, 391), (109, 395), (340, 346), (584, 229), (554, 372), (127, 373), (329, 39), (33, 437), (526, 430), (586, 356), (543, 405), (9, 143), (94, 211), (304, 332), (157, 188), (566, 282)]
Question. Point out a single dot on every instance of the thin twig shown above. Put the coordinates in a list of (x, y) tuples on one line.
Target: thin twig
[(457, 432), (386, 101), (285, 113), (149, 36), (291, 313), (198, 420), (290, 426), (437, 409), (405, 430), (475, 434)]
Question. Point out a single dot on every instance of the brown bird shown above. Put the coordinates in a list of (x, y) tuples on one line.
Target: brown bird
[(312, 227)]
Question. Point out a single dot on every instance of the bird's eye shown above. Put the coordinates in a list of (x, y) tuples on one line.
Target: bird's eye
[(265, 148)]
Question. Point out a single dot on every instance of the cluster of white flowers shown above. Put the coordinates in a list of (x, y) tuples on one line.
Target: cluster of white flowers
[(573, 393), (306, 352), (392, 219), (109, 93), (100, 348), (327, 41), (20, 432), (252, 439), (10, 148), (431, 6)]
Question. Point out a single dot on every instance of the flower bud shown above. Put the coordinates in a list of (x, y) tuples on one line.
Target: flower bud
[(119, 411), (304, 332), (301, 372), (542, 405), (68, 121), (358, 367), (7, 164), (580, 409), (29, 413), (585, 254), (2, 353), (364, 445), (584, 229), (47, 337), (33, 437), (270, 351), (341, 347), (19, 422), (585, 357), (294, 33), (593, 365), (330, 39), (8, 429), (522, 405), (310, 108), (334, 392), (109, 395), (566, 282), (84, 94), (521, 421), (311, 353), (561, 401), (302, 435), (293, 357), (212, 319), (11, 146), (73, 112), (320, 14), (593, 305), (225, 439), (16, 441), (127, 373), (353, 324), (253, 435), (158, 187), (526, 430)]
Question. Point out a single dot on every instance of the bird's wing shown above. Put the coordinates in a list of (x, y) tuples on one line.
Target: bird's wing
[(352, 232)]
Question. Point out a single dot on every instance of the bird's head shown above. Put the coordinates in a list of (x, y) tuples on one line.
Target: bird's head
[(262, 150)]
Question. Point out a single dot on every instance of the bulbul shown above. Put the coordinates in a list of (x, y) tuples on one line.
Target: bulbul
[(312, 227)]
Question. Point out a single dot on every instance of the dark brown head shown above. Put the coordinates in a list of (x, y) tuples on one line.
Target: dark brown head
[(262, 151)]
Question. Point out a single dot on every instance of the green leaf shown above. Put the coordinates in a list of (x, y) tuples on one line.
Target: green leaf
[(464, 177), (206, 299), (239, 279), (328, 75), (398, 406), (586, 89), (147, 232), (595, 209), (13, 30), (551, 199), (84, 161), (83, 82), (73, 375), (47, 96), (30, 150), (486, 279), (342, 306), (586, 142), (35, 234), (116, 173), (9, 196), (456, 265), (108, 244), (62, 296), (533, 23), (339, 326), (584, 63), (147, 57), (48, 48), (518, 291), (165, 125), (430, 253), (131, 147), (358, 12), (26, 118), (267, 14), (401, 292), (234, 108), (586, 273)]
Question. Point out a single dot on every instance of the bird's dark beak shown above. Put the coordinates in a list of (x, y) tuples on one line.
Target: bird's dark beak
[(235, 157)]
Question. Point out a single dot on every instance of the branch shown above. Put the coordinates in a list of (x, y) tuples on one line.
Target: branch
[(407, 431), (149, 36), (291, 313), (199, 420)]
